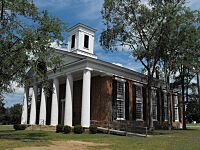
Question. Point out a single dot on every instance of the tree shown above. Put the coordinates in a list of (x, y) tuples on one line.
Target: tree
[(13, 114), (182, 53), (25, 36), (146, 30), (193, 107), (2, 110)]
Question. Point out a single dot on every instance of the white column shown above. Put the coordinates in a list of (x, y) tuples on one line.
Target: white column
[(54, 104), (24, 117), (42, 118), (33, 105), (68, 101), (85, 111)]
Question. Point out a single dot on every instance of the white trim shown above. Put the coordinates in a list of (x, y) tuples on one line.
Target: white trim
[(120, 79)]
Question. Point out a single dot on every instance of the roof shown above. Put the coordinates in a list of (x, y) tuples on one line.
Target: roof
[(81, 25)]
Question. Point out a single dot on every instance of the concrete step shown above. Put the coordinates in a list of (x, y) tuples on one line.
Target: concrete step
[(41, 127)]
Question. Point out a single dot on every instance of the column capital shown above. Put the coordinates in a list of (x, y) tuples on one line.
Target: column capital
[(88, 69), (68, 74)]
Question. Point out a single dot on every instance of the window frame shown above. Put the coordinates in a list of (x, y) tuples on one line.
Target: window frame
[(165, 106), (121, 99), (139, 100), (88, 39), (73, 41), (154, 104), (176, 109)]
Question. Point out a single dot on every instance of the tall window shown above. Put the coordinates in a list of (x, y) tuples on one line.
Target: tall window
[(86, 41), (154, 104), (176, 108), (139, 102), (120, 100), (73, 41), (165, 107)]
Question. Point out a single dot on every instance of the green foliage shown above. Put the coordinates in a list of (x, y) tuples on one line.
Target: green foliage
[(78, 129), (93, 129), (160, 34), (14, 114), (26, 37), (2, 111), (193, 110), (59, 128), (67, 129), (19, 126), (11, 115)]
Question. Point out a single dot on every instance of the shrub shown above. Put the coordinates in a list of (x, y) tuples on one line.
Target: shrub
[(67, 129), (78, 129), (19, 126), (59, 128), (93, 129)]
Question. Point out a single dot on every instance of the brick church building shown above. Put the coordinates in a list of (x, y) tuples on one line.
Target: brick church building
[(88, 89)]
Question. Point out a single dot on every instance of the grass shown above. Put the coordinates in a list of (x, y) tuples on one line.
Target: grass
[(193, 125), (176, 139)]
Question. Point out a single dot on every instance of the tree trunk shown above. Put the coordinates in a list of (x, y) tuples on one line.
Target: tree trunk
[(187, 96), (150, 110), (198, 87), (183, 97), (167, 84)]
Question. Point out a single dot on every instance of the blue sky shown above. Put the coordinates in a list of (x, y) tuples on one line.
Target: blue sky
[(86, 12)]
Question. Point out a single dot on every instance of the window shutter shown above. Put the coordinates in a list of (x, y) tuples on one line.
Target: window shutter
[(127, 101), (114, 99), (144, 96), (158, 104), (134, 102)]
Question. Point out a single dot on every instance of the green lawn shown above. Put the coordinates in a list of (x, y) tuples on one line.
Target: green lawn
[(176, 139), (193, 125)]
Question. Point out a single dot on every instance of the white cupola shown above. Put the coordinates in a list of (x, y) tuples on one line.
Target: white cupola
[(81, 40)]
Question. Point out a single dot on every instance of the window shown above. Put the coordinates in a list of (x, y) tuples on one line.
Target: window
[(139, 102), (165, 107), (154, 104), (120, 100), (73, 41), (176, 108), (86, 41)]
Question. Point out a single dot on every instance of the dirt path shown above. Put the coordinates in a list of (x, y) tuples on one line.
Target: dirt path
[(66, 145)]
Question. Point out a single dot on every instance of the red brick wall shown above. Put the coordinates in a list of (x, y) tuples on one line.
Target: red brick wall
[(77, 101), (131, 102), (101, 98)]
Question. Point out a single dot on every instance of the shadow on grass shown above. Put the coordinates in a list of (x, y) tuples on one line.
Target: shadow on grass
[(22, 136)]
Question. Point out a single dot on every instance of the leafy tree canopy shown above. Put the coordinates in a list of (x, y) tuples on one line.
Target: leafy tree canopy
[(158, 33), (25, 38)]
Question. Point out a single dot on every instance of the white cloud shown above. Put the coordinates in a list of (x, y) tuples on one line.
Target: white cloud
[(194, 80), (55, 45), (118, 64), (194, 4), (16, 96)]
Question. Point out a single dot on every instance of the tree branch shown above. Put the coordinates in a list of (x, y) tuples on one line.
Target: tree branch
[(2, 9)]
